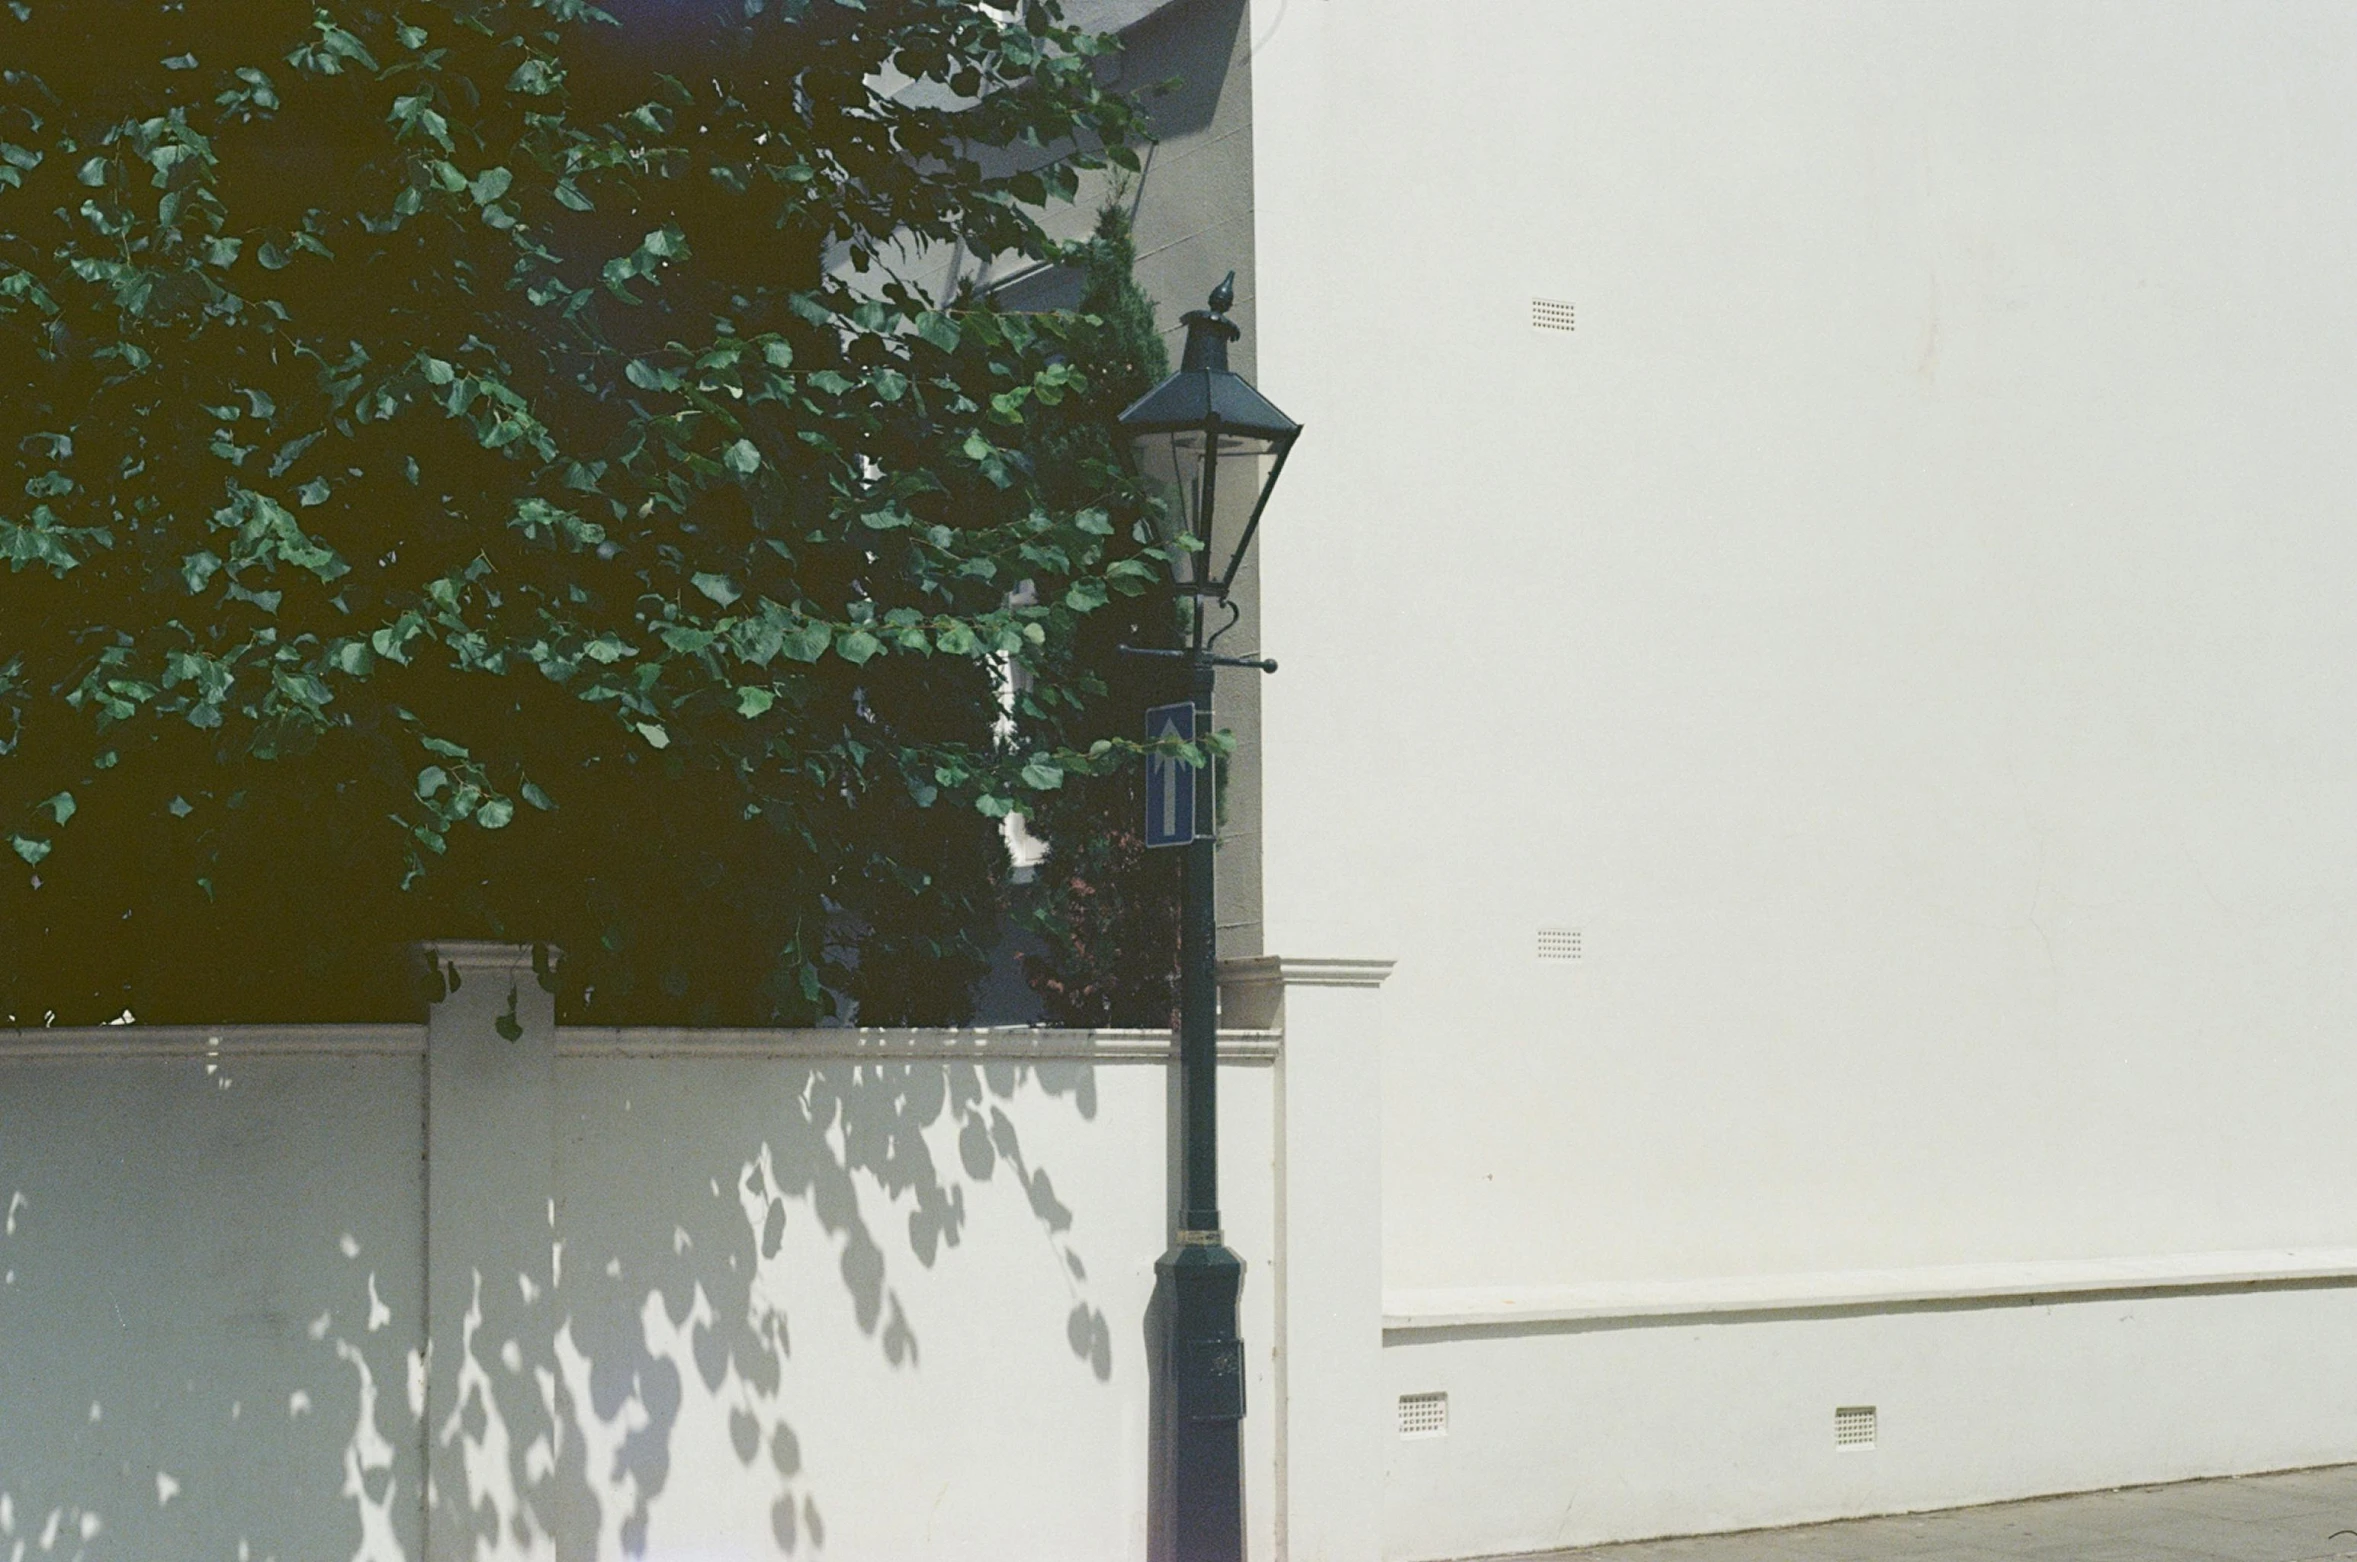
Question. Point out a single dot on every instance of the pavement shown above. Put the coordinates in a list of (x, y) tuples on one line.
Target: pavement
[(2253, 1518)]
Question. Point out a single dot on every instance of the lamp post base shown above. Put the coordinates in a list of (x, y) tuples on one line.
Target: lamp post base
[(1203, 1364)]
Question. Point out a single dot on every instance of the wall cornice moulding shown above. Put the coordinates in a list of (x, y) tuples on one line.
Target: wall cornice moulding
[(1297, 971), (1511, 1310), (86, 1043), (1011, 1045), (1252, 990), (92, 1043)]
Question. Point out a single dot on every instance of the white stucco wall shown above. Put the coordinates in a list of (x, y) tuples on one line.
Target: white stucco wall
[(746, 1294), (1908, 628), (209, 1294), (906, 1301), (1568, 1436)]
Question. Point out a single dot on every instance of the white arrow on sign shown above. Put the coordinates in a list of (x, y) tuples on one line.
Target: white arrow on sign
[(1170, 782), (1170, 779)]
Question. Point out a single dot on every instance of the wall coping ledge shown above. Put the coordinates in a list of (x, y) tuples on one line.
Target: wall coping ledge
[(1509, 1309), (479, 954), (1008, 1044), (1011, 1044), (84, 1042), (1296, 971)]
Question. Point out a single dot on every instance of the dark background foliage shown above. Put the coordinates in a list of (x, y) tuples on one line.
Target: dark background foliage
[(1103, 909), (470, 471)]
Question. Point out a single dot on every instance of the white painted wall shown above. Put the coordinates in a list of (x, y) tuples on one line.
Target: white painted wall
[(1908, 627), (690, 1294), (925, 1281), (1606, 1431), (209, 1294)]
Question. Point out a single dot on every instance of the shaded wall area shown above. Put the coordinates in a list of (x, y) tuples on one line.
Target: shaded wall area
[(689, 1294)]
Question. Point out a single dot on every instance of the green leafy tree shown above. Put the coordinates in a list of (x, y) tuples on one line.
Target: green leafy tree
[(469, 469)]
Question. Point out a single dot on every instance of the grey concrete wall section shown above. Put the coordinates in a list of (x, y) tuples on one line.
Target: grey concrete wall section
[(1111, 16), (1191, 210), (1193, 216)]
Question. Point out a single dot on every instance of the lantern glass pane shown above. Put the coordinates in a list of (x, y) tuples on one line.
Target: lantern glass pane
[(1175, 465)]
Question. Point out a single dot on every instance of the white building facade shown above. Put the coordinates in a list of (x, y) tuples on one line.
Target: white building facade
[(1819, 615)]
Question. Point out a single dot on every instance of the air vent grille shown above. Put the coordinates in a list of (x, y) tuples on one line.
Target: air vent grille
[(1559, 943), (1424, 1415), (1550, 314), (1854, 1427)]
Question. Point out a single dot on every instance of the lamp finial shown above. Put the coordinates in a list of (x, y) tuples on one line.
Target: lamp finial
[(1209, 330)]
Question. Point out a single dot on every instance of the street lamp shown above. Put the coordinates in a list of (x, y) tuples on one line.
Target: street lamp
[(1213, 447)]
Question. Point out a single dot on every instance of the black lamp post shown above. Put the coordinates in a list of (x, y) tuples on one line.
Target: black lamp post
[(1214, 446)]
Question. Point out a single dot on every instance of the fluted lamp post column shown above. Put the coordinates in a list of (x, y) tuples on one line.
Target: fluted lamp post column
[(1213, 447)]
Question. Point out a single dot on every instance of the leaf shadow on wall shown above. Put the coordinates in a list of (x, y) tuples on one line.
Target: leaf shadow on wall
[(632, 1388), (692, 1220)]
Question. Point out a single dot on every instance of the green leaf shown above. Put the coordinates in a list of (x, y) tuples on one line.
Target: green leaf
[(61, 807), (857, 646), (536, 797), (198, 568), (718, 587), (1043, 774), (490, 185), (741, 458), (312, 492), (653, 732), (808, 643), (30, 849), (940, 330), (495, 813), (753, 700)]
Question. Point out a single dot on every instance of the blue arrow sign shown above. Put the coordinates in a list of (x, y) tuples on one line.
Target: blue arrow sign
[(1170, 784)]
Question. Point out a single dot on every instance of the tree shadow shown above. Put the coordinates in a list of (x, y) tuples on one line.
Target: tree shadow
[(738, 1246)]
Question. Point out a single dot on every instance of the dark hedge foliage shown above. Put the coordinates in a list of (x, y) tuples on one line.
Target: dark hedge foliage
[(1104, 909)]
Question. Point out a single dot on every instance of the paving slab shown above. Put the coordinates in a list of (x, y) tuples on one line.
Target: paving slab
[(2286, 1517)]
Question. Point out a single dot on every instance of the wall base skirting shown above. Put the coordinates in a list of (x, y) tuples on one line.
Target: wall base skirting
[(1514, 1310)]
